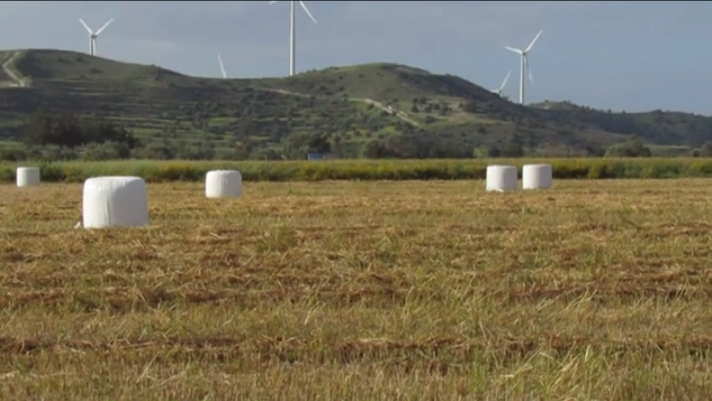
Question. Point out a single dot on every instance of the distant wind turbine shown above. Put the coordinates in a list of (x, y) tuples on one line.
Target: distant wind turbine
[(221, 67), (504, 83), (524, 65), (292, 32), (94, 35)]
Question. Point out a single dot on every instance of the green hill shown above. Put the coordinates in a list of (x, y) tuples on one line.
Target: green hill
[(378, 109), (657, 127)]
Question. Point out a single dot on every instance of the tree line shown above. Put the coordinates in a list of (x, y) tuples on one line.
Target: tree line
[(69, 130), (66, 136)]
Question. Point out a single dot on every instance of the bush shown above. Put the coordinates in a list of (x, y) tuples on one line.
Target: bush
[(161, 171), (634, 147)]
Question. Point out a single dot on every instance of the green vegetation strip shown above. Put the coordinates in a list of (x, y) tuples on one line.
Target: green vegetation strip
[(160, 171)]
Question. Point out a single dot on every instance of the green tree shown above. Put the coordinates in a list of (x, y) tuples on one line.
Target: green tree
[(633, 147)]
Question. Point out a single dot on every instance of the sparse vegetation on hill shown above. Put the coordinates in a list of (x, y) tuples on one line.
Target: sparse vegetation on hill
[(371, 110)]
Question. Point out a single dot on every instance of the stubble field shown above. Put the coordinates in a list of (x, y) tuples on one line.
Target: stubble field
[(362, 291)]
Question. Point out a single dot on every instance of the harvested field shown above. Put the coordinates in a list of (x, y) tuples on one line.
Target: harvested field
[(362, 291)]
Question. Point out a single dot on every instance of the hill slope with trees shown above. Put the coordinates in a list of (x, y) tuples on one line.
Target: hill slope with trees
[(370, 110)]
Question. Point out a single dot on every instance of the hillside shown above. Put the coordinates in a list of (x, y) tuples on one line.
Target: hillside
[(371, 108), (664, 128)]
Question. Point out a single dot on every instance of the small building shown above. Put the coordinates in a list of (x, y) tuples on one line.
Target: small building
[(315, 156)]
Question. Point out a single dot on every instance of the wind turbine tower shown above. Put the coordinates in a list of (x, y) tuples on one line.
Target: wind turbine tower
[(94, 35), (222, 69), (293, 33), (524, 65)]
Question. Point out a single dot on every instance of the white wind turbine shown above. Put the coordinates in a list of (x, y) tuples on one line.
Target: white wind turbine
[(292, 32), (93, 36), (221, 67), (499, 91), (524, 65)]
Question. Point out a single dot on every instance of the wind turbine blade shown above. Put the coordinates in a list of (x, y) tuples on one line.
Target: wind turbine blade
[(104, 27), (86, 26), (511, 49), (505, 80), (529, 70), (222, 69), (304, 6), (533, 41)]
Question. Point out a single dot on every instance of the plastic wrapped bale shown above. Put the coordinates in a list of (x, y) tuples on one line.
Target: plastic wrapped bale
[(114, 202), (27, 176), (501, 178), (536, 176), (223, 184)]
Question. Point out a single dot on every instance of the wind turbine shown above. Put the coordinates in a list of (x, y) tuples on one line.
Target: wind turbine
[(499, 91), (292, 32), (524, 65), (221, 67), (93, 36)]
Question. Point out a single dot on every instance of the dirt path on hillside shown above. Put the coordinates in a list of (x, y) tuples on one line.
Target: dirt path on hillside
[(400, 114), (6, 68)]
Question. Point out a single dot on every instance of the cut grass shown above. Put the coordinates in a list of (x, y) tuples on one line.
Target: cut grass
[(343, 290)]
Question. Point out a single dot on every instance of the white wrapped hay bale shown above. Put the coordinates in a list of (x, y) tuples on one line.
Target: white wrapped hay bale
[(536, 176), (223, 184), (114, 202), (501, 178), (27, 176)]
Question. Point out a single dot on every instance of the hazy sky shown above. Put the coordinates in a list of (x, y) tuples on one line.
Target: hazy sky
[(619, 55)]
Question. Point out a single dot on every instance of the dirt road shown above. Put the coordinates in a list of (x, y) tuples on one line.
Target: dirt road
[(400, 114), (6, 68)]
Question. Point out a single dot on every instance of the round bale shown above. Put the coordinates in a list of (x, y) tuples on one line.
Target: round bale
[(536, 176), (114, 202), (501, 178), (27, 176), (223, 184)]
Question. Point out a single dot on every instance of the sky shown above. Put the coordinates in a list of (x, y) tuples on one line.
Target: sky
[(619, 55)]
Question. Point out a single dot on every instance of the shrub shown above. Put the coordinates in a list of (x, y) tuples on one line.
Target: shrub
[(161, 171)]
